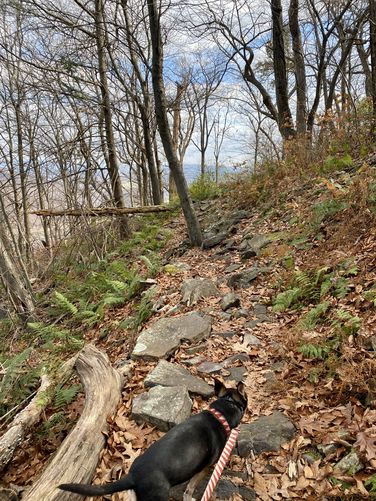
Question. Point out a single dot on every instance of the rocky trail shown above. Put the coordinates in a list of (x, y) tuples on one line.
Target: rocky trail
[(213, 318)]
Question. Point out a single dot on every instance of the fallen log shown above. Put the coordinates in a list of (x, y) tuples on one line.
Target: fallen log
[(102, 211), (77, 458), (30, 415)]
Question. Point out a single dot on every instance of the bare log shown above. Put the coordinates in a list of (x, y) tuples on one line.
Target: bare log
[(76, 459), (30, 415), (103, 211)]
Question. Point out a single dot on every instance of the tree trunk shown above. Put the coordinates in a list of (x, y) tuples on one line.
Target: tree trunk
[(193, 226), (16, 285), (113, 163), (285, 121), (372, 23), (300, 75)]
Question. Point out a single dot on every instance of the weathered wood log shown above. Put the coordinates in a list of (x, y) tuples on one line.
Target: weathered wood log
[(103, 211), (30, 415), (76, 459)]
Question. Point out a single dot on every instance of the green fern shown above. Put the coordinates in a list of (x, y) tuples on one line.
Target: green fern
[(313, 351), (117, 286), (64, 304), (370, 483), (310, 319), (346, 323), (286, 299), (18, 380), (152, 264), (65, 396)]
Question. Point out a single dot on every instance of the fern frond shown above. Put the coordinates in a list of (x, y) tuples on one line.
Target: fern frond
[(285, 299), (64, 396), (311, 318), (313, 351), (64, 304)]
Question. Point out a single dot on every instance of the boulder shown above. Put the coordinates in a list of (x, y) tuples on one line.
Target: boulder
[(197, 288), (209, 243), (163, 407), (257, 242), (167, 374), (266, 434), (162, 338), (230, 300), (243, 279)]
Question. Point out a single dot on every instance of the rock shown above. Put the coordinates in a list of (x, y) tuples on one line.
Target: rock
[(243, 279), (209, 243), (197, 288), (247, 254), (225, 489), (260, 309), (240, 313), (192, 361), (124, 367), (225, 316), (327, 448), (8, 494), (167, 374), (175, 268), (192, 350), (238, 357), (163, 407), (266, 434), (209, 367), (349, 465), (161, 339), (370, 343), (230, 300), (226, 334), (251, 340), (236, 374), (233, 267), (251, 324), (257, 242)]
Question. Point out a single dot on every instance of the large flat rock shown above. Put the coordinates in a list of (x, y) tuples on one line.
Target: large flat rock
[(167, 374), (163, 407), (162, 339), (266, 434)]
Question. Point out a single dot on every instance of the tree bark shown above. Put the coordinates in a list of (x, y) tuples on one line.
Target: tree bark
[(113, 163), (77, 457), (105, 211), (372, 23), (300, 75), (285, 121), (193, 226), (17, 286)]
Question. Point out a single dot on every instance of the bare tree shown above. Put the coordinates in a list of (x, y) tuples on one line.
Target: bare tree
[(193, 226)]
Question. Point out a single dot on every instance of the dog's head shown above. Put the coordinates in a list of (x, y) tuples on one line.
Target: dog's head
[(237, 396)]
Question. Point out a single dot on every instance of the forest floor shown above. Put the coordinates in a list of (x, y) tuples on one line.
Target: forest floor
[(316, 360)]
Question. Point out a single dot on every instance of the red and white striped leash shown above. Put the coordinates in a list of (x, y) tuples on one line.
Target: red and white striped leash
[(224, 457)]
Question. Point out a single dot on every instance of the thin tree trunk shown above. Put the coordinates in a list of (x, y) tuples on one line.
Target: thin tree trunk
[(372, 22), (193, 226), (285, 121), (113, 163), (300, 75), (17, 286)]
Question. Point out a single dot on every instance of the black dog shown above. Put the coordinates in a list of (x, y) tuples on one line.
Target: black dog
[(184, 452)]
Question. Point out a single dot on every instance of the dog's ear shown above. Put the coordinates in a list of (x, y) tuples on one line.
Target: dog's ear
[(241, 390), (219, 388)]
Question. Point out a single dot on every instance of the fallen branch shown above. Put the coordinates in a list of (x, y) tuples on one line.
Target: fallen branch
[(105, 211), (30, 415), (76, 459)]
